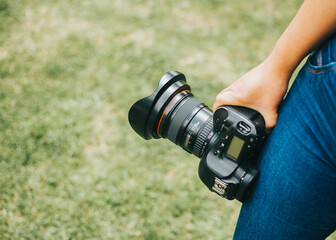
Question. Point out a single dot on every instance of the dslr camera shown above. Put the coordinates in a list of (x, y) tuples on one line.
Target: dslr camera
[(228, 142)]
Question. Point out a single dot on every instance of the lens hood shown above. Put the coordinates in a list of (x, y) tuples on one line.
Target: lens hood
[(152, 106)]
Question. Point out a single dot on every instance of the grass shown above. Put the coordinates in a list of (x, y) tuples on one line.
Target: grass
[(70, 165)]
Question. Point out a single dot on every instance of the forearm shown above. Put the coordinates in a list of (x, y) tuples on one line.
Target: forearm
[(314, 22)]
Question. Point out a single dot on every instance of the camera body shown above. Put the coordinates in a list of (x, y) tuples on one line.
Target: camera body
[(228, 167), (228, 142)]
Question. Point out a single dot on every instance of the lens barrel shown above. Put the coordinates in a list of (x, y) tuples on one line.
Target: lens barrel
[(185, 124), (172, 112)]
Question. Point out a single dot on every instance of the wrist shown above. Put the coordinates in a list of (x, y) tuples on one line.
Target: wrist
[(282, 63), (288, 52)]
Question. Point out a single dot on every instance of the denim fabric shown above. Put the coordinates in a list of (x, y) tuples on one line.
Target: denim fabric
[(295, 195)]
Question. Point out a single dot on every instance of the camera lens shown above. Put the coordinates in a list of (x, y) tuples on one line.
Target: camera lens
[(172, 112), (188, 124)]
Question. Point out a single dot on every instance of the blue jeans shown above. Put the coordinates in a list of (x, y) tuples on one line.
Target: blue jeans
[(295, 195)]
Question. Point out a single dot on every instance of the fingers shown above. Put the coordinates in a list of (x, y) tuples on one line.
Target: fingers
[(270, 119), (227, 97), (224, 98)]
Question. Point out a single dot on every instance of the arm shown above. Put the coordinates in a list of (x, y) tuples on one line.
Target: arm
[(263, 87)]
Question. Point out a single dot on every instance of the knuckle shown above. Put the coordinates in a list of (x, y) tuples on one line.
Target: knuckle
[(218, 98)]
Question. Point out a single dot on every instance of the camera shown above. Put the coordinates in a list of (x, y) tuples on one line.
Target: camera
[(228, 142)]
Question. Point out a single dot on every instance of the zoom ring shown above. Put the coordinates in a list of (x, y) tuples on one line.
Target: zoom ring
[(202, 136)]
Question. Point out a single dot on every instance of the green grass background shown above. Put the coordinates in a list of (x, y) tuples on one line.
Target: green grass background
[(71, 167)]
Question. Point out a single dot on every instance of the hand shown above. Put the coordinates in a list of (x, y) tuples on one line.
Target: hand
[(261, 89)]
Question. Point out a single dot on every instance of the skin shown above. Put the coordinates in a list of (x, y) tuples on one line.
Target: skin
[(263, 87)]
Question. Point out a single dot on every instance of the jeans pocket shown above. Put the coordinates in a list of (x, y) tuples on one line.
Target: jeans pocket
[(323, 59)]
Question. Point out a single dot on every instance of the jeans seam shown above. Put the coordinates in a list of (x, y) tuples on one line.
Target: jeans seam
[(319, 71)]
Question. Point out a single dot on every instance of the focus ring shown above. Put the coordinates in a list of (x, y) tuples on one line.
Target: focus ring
[(179, 117), (202, 136)]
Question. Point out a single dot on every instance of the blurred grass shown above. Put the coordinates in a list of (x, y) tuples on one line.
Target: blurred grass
[(70, 165)]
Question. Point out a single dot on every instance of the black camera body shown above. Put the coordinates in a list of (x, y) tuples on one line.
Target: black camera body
[(228, 142), (228, 167)]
